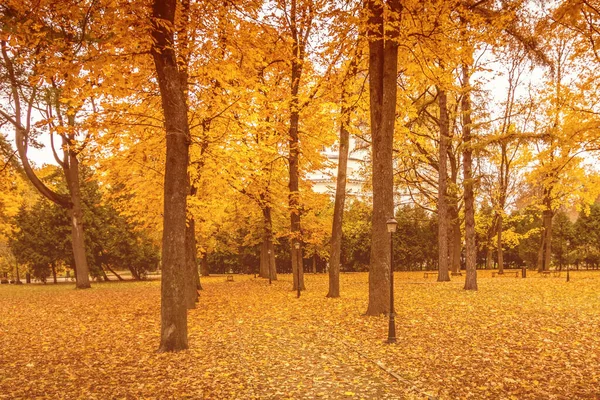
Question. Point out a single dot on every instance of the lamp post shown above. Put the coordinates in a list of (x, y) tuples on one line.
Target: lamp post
[(269, 264), (298, 261), (391, 227)]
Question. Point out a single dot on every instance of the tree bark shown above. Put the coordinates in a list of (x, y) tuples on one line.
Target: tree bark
[(71, 171), (192, 264), (500, 251), (298, 53), (54, 279), (340, 186), (264, 263), (204, 265), (174, 273), (442, 203), (338, 208), (383, 72), (469, 196)]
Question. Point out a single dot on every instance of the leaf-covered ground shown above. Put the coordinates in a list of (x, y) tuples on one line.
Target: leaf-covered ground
[(534, 338)]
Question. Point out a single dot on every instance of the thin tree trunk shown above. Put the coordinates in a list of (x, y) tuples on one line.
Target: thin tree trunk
[(442, 203), (383, 72), (54, 279), (500, 251), (174, 274), (104, 276), (469, 196), (456, 243), (299, 31), (338, 208), (112, 271)]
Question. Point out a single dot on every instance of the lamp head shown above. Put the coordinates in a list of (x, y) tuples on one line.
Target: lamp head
[(391, 225)]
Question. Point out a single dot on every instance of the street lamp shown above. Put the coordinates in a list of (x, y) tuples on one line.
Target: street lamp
[(298, 261), (269, 264), (391, 228)]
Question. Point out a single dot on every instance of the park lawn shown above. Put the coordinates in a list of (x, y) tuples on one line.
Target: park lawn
[(534, 338)]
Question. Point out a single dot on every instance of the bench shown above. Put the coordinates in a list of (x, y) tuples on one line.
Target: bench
[(426, 274), (516, 273), (229, 277)]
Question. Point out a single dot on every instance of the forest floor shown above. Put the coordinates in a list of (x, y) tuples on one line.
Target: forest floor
[(534, 338)]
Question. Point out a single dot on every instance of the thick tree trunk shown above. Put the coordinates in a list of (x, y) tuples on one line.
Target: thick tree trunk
[(383, 72), (338, 208), (469, 196), (442, 203), (264, 261), (192, 264), (174, 270)]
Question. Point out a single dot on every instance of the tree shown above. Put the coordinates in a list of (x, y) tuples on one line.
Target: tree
[(382, 33), (176, 188), (34, 62)]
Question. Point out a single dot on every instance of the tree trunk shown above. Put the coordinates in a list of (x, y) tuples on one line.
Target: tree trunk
[(442, 203), (297, 263), (294, 196), (383, 72), (119, 277), (71, 171), (338, 208), (204, 265), (54, 279), (174, 273), (192, 264), (455, 242), (264, 258), (272, 265), (469, 196), (104, 276), (500, 251)]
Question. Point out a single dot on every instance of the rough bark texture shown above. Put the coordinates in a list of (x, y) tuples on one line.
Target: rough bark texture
[(173, 283), (469, 196), (442, 204), (383, 71), (192, 264)]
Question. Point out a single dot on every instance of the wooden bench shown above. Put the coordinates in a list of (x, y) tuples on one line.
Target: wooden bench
[(229, 277), (506, 273), (426, 274)]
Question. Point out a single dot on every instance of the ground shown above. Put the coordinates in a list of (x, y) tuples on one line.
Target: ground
[(534, 338)]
